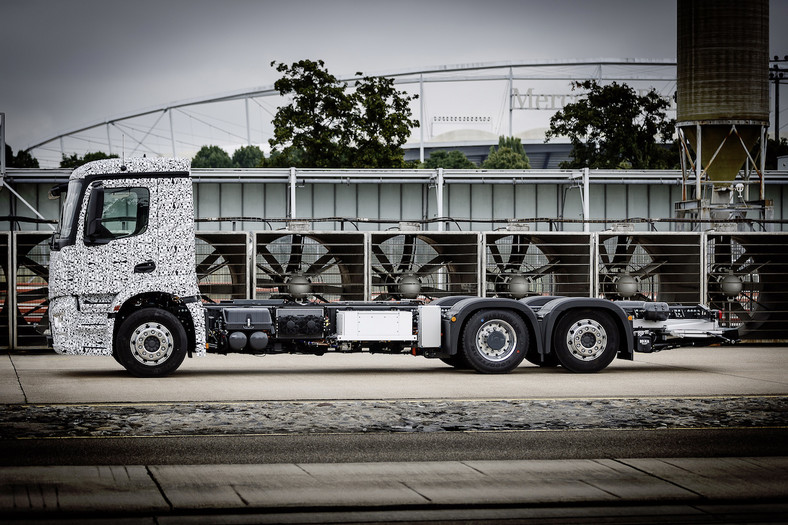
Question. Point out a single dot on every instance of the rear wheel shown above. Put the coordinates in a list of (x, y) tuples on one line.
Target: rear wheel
[(585, 341), (494, 341), (151, 343)]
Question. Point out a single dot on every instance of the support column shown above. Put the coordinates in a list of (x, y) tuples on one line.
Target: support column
[(439, 197), (586, 200), (421, 118)]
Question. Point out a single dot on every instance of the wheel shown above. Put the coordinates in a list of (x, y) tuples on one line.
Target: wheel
[(495, 341), (585, 341), (151, 343)]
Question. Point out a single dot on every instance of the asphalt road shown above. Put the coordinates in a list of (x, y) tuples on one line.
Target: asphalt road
[(350, 448)]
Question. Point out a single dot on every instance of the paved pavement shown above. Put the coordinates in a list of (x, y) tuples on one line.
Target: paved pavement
[(678, 384), (713, 371)]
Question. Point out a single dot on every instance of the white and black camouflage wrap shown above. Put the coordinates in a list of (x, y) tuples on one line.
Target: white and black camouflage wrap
[(88, 283)]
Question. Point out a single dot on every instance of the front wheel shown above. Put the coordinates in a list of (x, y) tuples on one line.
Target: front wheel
[(494, 341), (151, 343), (585, 341)]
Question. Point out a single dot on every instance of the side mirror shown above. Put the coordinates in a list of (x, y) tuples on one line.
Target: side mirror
[(56, 191), (93, 217)]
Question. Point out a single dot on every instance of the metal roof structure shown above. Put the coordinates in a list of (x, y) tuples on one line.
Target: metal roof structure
[(484, 100)]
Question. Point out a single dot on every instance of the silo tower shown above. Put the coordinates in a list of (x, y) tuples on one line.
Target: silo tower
[(722, 109)]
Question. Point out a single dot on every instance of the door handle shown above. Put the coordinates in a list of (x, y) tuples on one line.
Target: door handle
[(145, 267)]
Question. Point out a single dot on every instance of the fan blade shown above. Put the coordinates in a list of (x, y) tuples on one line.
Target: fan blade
[(296, 252), (212, 270), (384, 261), (408, 247), (217, 288), (540, 271), (207, 262), (272, 261), (496, 255), (434, 264), (647, 270), (322, 288), (34, 266), (320, 266), (517, 255), (623, 252), (31, 295)]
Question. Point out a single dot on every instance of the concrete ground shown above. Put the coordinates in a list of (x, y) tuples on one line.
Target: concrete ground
[(748, 489)]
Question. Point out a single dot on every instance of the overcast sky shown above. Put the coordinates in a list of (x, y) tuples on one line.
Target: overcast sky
[(69, 62)]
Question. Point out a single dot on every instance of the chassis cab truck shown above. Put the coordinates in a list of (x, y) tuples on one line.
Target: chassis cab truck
[(123, 283)]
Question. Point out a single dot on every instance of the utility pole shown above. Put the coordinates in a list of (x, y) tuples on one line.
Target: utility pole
[(777, 76)]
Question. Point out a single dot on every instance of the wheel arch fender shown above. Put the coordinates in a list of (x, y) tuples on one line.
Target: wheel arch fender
[(463, 309), (172, 303), (552, 312)]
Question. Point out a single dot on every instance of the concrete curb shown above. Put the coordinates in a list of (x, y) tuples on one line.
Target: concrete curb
[(63, 491)]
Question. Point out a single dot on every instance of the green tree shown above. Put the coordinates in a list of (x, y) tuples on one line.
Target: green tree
[(380, 124), (212, 157), (612, 126), (510, 155), (248, 157), (454, 159), (314, 123), (22, 159), (75, 161), (326, 127)]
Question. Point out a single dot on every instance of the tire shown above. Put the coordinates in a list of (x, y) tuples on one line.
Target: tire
[(151, 343), (585, 341), (494, 341)]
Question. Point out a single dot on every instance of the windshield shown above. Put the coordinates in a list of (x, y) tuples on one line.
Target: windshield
[(68, 215)]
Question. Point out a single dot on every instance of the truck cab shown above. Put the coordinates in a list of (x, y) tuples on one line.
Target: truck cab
[(125, 245)]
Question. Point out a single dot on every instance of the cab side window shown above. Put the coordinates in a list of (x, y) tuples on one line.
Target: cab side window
[(116, 213)]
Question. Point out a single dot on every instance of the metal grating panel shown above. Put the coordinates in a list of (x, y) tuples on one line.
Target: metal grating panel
[(748, 281), (407, 265), (31, 266), (5, 297), (325, 266), (526, 264), (221, 264), (650, 267)]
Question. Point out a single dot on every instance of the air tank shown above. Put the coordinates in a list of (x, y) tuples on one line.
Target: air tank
[(722, 81)]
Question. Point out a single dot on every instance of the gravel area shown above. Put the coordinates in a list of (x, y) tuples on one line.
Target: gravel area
[(85, 420)]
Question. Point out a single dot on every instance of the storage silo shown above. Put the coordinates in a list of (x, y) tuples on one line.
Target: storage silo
[(722, 100)]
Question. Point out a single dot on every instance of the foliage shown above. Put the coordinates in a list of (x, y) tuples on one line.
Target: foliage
[(380, 124), (325, 127), (75, 161), (510, 155), (453, 159), (23, 159), (212, 157), (612, 127), (248, 157), (774, 150)]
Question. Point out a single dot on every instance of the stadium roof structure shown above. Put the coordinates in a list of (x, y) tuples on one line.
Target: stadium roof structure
[(457, 103)]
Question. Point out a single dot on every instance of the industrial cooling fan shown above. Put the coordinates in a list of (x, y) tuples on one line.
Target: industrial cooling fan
[(650, 267), (32, 287), (748, 282), (221, 265), (627, 271), (321, 266), (414, 265), (520, 265)]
